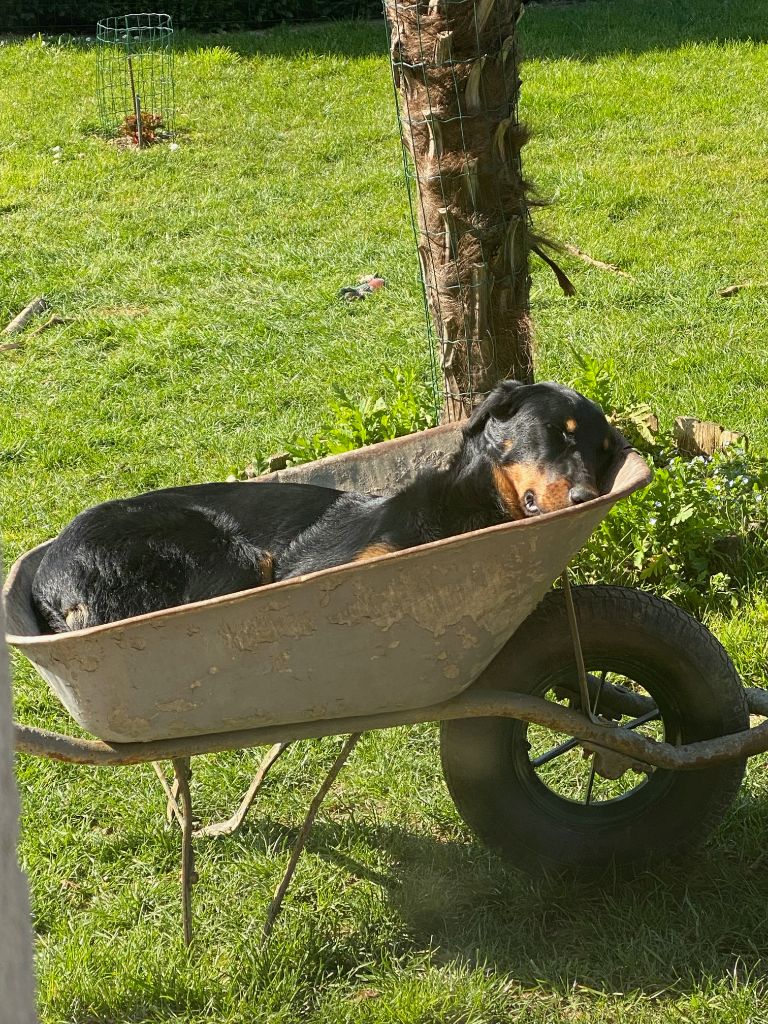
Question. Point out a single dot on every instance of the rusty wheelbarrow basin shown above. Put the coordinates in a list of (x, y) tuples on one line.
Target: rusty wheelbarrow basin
[(402, 631)]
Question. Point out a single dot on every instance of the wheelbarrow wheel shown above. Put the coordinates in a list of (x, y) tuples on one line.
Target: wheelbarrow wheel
[(540, 799)]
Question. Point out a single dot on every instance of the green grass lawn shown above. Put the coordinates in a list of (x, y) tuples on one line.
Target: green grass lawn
[(203, 331)]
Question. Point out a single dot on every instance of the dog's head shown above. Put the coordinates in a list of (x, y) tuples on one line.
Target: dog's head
[(549, 446)]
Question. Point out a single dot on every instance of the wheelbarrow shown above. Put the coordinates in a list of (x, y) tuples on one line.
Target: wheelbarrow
[(570, 720)]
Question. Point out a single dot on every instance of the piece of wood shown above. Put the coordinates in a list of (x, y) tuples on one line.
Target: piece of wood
[(734, 289), (703, 437), (35, 306), (53, 321), (574, 250)]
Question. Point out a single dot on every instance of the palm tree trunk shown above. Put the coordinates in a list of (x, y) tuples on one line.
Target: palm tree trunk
[(455, 68)]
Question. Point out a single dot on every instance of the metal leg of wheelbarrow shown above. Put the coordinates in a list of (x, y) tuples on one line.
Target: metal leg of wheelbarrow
[(182, 811), (277, 900), (183, 773), (232, 824)]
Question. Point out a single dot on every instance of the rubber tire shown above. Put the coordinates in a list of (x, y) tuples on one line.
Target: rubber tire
[(685, 669)]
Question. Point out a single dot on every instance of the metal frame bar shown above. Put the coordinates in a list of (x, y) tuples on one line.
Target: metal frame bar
[(470, 704)]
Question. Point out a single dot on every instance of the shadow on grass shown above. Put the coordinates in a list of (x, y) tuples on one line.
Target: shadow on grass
[(583, 30), (602, 28), (324, 38), (673, 931)]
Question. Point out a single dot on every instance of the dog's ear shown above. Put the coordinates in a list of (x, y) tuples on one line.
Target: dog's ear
[(502, 403)]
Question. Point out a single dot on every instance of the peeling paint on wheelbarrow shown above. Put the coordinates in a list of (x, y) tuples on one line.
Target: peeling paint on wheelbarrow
[(402, 631)]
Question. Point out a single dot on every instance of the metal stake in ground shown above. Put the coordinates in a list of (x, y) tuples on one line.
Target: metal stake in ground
[(136, 105)]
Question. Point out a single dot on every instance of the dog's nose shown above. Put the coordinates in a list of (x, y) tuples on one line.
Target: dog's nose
[(580, 493)]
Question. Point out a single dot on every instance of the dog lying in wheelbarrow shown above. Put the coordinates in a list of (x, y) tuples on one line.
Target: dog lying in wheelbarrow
[(527, 450)]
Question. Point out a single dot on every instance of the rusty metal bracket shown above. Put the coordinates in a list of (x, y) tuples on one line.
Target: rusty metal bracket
[(235, 822), (578, 654)]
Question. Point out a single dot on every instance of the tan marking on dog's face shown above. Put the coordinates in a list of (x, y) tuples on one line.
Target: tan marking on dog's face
[(606, 443), (374, 550), (507, 491), (507, 444), (556, 495), (512, 483), (267, 568), (570, 425)]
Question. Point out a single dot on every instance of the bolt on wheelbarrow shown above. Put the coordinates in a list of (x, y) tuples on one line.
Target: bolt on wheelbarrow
[(586, 731)]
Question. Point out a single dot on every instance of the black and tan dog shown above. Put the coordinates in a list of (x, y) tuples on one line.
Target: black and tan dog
[(527, 450)]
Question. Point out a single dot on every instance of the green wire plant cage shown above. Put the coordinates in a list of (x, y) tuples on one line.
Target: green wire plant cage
[(135, 88)]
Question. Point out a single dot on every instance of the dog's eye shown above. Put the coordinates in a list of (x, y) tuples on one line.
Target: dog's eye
[(529, 503), (557, 432)]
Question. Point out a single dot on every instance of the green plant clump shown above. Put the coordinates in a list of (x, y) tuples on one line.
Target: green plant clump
[(409, 407), (697, 534)]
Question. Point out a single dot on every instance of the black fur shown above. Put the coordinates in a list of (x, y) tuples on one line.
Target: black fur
[(184, 544), (169, 547)]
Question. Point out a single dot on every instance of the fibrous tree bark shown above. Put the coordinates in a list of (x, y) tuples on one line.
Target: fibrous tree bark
[(455, 67)]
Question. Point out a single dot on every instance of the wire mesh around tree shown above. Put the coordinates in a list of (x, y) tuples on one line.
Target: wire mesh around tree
[(135, 88), (455, 71)]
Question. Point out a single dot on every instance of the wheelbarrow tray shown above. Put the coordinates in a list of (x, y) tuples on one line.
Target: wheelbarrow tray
[(402, 631)]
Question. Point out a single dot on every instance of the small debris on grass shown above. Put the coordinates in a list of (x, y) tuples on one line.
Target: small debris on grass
[(574, 250), (152, 132), (362, 994), (151, 128), (366, 286), (703, 437), (53, 321), (31, 309), (275, 462), (734, 289)]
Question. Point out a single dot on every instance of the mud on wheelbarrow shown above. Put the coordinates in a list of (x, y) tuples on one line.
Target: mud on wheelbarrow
[(460, 631)]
